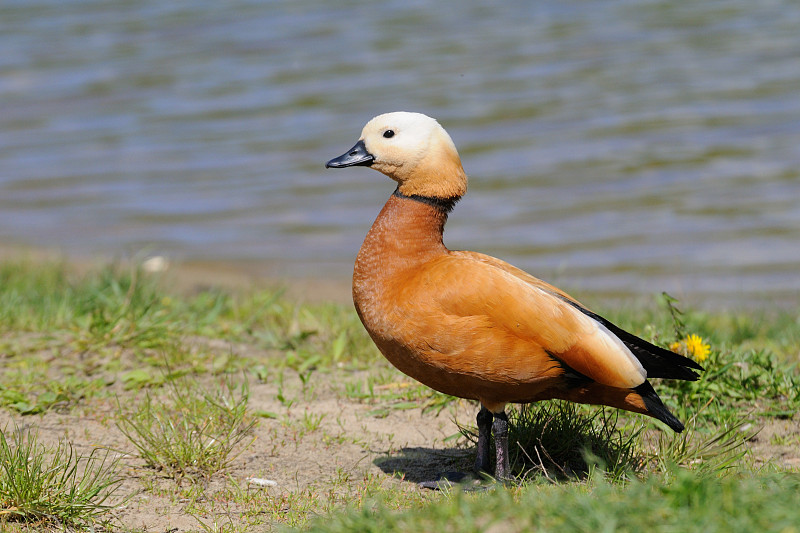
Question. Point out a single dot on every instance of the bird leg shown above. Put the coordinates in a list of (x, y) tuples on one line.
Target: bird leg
[(484, 420), (500, 430)]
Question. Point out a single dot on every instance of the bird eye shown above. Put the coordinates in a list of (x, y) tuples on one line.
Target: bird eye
[(388, 134)]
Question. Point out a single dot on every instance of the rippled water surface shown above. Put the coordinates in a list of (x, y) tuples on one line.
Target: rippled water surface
[(620, 147)]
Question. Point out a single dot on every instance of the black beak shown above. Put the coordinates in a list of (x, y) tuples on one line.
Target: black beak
[(355, 156)]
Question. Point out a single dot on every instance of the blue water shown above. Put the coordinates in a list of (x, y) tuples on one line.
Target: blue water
[(618, 147)]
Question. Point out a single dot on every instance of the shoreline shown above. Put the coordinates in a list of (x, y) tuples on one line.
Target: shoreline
[(191, 274)]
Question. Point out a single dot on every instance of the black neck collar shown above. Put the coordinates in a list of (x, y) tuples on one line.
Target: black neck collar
[(443, 204)]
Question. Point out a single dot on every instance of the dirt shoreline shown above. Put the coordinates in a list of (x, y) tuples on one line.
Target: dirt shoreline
[(350, 446), (191, 274)]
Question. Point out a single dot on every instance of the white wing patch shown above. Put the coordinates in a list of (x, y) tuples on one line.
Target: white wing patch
[(629, 365), (625, 369)]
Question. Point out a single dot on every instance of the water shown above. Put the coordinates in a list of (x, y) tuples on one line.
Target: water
[(621, 147)]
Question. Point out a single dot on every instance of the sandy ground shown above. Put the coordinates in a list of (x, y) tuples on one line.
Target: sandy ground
[(350, 446)]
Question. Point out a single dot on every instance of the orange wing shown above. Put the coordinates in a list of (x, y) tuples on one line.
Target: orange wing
[(488, 312), (516, 272)]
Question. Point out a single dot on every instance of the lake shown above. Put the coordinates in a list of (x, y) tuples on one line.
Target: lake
[(618, 147)]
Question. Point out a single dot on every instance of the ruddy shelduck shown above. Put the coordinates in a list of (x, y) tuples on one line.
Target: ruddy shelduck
[(472, 326)]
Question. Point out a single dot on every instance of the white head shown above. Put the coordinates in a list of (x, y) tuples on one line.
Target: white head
[(412, 149)]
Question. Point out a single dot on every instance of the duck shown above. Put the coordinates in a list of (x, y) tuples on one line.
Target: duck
[(473, 326)]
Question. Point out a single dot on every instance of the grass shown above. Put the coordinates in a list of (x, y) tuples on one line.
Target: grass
[(179, 365), (53, 485), (562, 440), (689, 503), (119, 327), (386, 391), (123, 308), (190, 432)]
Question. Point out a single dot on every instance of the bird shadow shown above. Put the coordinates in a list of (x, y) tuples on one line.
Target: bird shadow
[(425, 464)]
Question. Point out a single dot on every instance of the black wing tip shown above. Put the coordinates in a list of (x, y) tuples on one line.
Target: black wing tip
[(691, 376), (656, 408), (691, 363), (658, 362), (672, 372), (661, 357)]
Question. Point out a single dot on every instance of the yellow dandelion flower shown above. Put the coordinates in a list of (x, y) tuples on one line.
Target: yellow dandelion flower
[(696, 347)]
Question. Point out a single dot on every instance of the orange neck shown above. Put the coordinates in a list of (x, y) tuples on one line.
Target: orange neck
[(407, 233)]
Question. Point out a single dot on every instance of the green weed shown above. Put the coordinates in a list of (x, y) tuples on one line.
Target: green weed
[(706, 449), (54, 486), (388, 391), (563, 440), (190, 432), (122, 325)]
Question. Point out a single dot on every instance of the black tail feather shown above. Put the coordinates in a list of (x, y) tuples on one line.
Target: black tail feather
[(657, 408)]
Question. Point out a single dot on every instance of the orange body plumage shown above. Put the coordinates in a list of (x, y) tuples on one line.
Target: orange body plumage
[(473, 326)]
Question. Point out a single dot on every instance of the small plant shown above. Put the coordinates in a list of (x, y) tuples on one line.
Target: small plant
[(712, 450), (53, 486), (190, 433), (732, 378), (123, 308), (311, 422), (388, 394), (678, 323), (566, 440)]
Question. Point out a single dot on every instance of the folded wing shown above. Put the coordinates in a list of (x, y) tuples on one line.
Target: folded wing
[(656, 361), (471, 293)]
